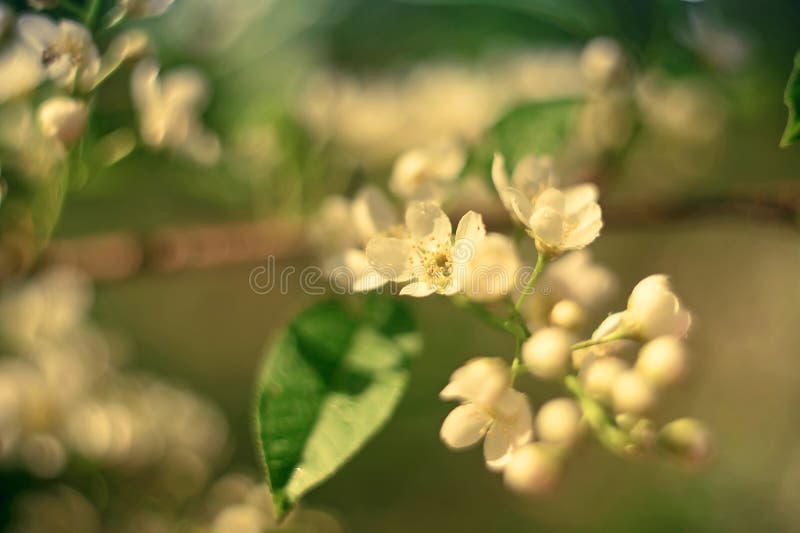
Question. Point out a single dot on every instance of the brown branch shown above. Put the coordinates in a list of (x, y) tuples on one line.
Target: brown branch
[(120, 255)]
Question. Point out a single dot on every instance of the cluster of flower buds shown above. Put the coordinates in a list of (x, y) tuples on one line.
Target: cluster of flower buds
[(39, 49), (605, 393)]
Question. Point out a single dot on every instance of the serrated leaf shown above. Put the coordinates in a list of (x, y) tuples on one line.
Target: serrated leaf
[(791, 97), (329, 383)]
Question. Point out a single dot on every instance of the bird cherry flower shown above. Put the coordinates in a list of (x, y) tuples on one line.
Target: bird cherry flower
[(422, 174), (169, 108), (557, 220), (654, 310), (341, 229), (65, 49), (489, 408), (429, 258), (63, 118)]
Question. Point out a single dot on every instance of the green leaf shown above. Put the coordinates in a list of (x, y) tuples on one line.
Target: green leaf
[(329, 383), (540, 127), (792, 100)]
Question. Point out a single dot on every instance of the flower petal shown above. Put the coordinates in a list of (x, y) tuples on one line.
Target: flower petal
[(426, 220), (419, 289), (547, 224), (512, 428), (579, 196), (585, 229), (550, 198), (464, 426), (372, 212), (482, 381), (390, 257), (37, 31)]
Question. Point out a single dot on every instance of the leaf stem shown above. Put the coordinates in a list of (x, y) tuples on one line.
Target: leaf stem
[(91, 13), (606, 430), (541, 260), (618, 335)]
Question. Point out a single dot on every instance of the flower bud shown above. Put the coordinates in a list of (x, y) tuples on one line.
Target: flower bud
[(63, 118), (567, 314), (631, 393), (547, 352), (600, 375), (662, 361), (655, 310), (559, 421), (643, 434), (533, 469), (686, 439)]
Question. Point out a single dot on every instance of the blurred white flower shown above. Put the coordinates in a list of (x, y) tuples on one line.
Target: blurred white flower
[(602, 63), (491, 271), (576, 277), (654, 310), (557, 220), (63, 118), (20, 70), (169, 109), (427, 173), (341, 229), (490, 408), (428, 258), (65, 49)]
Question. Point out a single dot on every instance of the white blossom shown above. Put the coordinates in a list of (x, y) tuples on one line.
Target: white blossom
[(63, 118), (65, 49), (602, 62), (491, 271), (20, 70), (169, 109), (428, 258), (426, 173), (489, 408), (557, 220), (576, 276), (341, 229), (654, 310)]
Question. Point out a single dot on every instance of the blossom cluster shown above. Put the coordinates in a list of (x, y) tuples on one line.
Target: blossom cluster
[(367, 242), (60, 58)]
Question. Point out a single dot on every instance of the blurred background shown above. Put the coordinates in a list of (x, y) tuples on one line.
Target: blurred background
[(132, 340)]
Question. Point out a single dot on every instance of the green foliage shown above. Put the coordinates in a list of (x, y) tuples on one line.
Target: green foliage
[(541, 127), (580, 17), (792, 100), (328, 384)]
